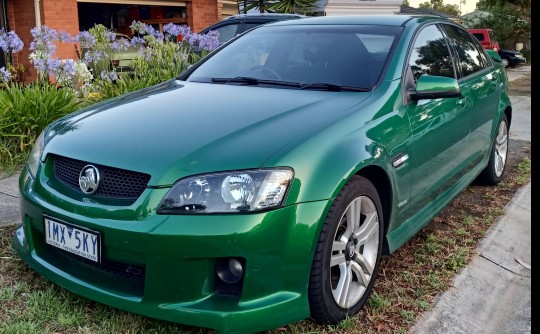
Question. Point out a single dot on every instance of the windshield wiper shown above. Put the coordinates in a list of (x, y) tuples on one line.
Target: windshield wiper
[(254, 81), (333, 87)]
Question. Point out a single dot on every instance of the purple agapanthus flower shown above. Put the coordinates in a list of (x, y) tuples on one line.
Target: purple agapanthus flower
[(10, 42), (177, 30), (40, 64), (110, 36), (85, 39), (64, 37), (44, 39), (5, 76), (138, 42), (145, 29), (92, 56), (109, 76), (120, 44), (209, 41)]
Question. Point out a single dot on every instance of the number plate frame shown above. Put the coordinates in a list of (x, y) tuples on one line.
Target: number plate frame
[(69, 237)]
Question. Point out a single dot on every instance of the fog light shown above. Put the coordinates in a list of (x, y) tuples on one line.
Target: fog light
[(230, 270), (21, 236)]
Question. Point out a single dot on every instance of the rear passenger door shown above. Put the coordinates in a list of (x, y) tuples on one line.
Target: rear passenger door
[(481, 82)]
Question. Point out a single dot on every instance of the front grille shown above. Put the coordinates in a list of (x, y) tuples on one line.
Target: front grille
[(115, 182)]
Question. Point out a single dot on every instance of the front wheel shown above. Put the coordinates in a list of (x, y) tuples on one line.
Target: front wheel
[(493, 173), (348, 254)]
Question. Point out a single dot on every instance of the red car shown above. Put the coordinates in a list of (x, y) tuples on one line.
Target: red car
[(486, 38)]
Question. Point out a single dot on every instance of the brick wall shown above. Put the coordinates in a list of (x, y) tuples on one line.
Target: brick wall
[(61, 15), (202, 13), (21, 19)]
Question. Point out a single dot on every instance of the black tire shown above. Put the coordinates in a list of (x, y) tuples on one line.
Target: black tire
[(494, 171), (363, 251)]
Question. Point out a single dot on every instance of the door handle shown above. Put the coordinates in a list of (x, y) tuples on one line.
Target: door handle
[(461, 102)]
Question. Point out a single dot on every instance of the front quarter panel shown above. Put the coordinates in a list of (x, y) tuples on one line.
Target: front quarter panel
[(370, 136)]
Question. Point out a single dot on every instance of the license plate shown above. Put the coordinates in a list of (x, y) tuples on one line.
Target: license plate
[(79, 241)]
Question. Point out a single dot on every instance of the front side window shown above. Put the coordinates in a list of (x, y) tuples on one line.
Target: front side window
[(472, 57), (430, 54), (306, 55)]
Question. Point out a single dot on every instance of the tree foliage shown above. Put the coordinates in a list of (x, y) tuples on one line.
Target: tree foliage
[(507, 24), (439, 6), (522, 6), (278, 6)]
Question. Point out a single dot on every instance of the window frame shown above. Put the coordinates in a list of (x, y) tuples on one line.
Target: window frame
[(407, 76), (481, 50)]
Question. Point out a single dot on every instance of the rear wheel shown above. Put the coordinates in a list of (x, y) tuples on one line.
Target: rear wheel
[(493, 173), (505, 62), (348, 254)]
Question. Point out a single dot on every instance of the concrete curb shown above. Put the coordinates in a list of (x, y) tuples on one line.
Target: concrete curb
[(493, 293)]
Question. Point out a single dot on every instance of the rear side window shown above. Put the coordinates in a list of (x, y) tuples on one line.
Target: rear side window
[(431, 55), (226, 32), (471, 55)]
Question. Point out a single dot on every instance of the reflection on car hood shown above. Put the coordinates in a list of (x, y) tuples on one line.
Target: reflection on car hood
[(183, 128)]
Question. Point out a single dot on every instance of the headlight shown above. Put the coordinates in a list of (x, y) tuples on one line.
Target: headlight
[(35, 156), (238, 191)]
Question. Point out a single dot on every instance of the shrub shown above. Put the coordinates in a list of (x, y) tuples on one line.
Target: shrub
[(25, 110)]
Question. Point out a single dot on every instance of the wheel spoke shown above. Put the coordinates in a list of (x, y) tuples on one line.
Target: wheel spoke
[(363, 263), (339, 246), (341, 293), (362, 277), (502, 139), (337, 259), (368, 228), (353, 214)]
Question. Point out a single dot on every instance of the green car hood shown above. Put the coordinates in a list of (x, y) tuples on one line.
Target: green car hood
[(181, 128)]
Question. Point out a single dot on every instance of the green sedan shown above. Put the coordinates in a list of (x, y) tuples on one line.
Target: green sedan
[(263, 185)]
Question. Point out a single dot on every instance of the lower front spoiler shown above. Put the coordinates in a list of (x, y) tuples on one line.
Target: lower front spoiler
[(224, 316)]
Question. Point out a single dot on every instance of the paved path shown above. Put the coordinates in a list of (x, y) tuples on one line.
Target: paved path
[(9, 201), (492, 295)]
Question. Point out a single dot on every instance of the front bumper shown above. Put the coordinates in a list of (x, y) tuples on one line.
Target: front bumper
[(165, 266), (517, 61)]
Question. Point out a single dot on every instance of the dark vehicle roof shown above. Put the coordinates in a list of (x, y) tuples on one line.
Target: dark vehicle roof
[(390, 20), (277, 16)]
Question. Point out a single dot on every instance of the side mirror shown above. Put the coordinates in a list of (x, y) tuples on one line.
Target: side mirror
[(434, 87)]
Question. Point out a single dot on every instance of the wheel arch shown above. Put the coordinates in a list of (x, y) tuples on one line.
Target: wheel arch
[(381, 181), (508, 113)]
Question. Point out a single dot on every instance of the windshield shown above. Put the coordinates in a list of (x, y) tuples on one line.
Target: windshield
[(313, 57)]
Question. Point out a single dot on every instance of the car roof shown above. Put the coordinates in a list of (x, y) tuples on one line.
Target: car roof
[(277, 16), (386, 19)]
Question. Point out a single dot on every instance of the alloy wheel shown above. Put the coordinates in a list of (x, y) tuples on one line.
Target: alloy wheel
[(354, 252), (501, 148)]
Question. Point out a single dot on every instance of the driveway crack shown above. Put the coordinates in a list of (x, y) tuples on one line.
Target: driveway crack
[(503, 267)]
